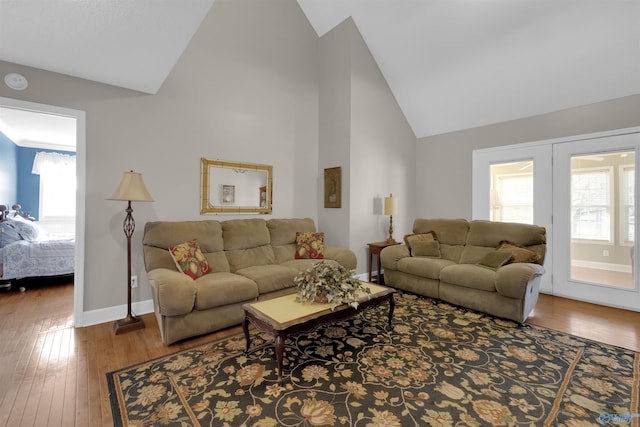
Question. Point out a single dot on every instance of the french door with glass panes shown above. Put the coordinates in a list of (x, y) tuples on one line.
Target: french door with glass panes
[(594, 223)]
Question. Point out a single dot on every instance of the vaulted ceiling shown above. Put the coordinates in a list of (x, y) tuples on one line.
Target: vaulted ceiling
[(451, 65)]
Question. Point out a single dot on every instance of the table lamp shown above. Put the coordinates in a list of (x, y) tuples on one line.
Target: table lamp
[(130, 189), (390, 209)]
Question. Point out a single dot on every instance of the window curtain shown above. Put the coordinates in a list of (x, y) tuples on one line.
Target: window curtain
[(53, 163)]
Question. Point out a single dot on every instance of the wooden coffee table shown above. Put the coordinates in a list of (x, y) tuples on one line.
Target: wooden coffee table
[(283, 316)]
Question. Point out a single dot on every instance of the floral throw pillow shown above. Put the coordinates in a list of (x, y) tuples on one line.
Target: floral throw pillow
[(309, 245), (189, 259)]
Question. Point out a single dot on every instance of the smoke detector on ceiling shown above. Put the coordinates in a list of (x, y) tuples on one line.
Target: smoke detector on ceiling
[(16, 81)]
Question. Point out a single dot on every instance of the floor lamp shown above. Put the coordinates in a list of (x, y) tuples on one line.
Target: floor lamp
[(130, 189), (390, 209)]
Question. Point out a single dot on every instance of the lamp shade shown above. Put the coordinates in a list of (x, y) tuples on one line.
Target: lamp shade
[(389, 205), (131, 188)]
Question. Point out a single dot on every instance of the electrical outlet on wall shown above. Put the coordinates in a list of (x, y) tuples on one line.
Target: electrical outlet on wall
[(605, 252), (134, 281)]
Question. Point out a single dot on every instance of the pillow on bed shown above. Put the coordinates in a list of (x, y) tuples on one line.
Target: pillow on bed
[(8, 234), (28, 230)]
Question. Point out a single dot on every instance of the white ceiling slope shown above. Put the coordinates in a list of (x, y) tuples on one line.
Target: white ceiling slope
[(455, 65), (126, 43), (450, 64)]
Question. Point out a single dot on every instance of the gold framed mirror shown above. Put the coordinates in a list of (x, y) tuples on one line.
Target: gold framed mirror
[(235, 187)]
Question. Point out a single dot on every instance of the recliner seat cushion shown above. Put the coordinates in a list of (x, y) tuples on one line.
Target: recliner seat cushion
[(269, 278), (219, 289), (470, 276), (423, 267)]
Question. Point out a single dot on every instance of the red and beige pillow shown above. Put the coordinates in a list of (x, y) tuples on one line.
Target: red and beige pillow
[(309, 245), (189, 259)]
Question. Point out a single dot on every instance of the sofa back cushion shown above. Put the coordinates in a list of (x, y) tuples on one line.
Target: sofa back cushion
[(487, 235), (283, 236), (450, 233), (247, 243), (159, 235)]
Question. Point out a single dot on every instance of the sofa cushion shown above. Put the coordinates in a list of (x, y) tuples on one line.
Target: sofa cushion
[(300, 265), (283, 231), (490, 233), (309, 245), (473, 254), (159, 235), (189, 259), (428, 249), (519, 254), (423, 266), (243, 258), (495, 259), (219, 289), (448, 231), (245, 233), (469, 276), (269, 278)]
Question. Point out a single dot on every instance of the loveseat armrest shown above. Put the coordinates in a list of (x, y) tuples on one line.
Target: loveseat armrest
[(512, 279), (390, 256), (346, 257), (174, 291)]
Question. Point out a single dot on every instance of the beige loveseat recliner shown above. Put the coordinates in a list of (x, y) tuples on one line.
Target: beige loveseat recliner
[(458, 272), (251, 259)]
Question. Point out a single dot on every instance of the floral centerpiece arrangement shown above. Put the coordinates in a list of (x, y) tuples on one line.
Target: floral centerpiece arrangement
[(329, 283)]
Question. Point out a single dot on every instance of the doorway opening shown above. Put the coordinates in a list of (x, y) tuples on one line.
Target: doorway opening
[(78, 117)]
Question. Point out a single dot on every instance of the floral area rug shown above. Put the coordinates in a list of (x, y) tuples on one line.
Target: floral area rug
[(439, 366)]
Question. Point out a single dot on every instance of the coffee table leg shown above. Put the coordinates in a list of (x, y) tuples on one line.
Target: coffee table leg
[(279, 354), (392, 306), (245, 328)]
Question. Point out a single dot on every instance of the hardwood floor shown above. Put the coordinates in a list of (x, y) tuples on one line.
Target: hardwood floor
[(52, 374)]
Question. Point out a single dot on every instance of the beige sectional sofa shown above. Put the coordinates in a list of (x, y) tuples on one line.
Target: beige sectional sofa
[(251, 259), (463, 269)]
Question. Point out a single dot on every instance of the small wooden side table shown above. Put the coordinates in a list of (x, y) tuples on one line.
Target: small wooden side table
[(375, 249)]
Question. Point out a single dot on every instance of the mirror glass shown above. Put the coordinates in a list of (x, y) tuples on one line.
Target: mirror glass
[(235, 187)]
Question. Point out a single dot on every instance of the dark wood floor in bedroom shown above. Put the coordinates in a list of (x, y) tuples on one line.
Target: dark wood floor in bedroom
[(52, 374)]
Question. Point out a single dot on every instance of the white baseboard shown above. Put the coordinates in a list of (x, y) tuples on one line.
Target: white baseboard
[(601, 266), (111, 314)]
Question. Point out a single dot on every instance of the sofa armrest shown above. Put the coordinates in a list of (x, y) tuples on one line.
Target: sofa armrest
[(390, 256), (174, 291), (346, 257), (512, 279)]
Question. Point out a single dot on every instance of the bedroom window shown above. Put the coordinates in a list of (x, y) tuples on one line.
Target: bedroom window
[(57, 185)]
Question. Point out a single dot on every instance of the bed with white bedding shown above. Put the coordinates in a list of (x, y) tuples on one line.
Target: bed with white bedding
[(27, 251)]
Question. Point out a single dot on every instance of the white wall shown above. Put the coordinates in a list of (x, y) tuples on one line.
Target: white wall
[(334, 131), (363, 130)]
